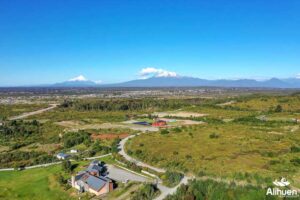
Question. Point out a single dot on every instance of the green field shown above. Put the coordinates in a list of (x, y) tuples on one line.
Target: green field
[(32, 184)]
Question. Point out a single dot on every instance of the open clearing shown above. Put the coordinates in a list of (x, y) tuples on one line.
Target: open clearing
[(179, 114), (123, 125), (109, 136), (70, 124)]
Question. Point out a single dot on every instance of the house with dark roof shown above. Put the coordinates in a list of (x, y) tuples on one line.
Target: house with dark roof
[(91, 180), (62, 156)]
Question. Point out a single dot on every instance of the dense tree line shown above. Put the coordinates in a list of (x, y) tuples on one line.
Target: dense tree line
[(128, 104)]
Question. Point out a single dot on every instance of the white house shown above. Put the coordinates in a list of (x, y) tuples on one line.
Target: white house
[(73, 151)]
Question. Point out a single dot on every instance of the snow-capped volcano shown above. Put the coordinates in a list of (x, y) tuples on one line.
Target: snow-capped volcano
[(78, 78), (78, 81)]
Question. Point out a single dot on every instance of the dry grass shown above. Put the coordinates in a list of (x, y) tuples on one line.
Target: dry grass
[(239, 148)]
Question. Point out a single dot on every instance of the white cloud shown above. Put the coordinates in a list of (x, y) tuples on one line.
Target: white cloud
[(151, 71), (78, 78), (298, 76)]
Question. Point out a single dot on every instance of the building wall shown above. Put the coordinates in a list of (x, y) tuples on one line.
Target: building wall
[(103, 190), (111, 186), (108, 187)]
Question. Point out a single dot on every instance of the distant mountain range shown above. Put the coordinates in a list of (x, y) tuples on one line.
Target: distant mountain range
[(180, 81)]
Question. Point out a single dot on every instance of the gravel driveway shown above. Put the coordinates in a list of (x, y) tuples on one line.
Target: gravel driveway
[(122, 175)]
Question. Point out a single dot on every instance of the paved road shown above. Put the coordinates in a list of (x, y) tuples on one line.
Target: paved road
[(24, 115), (165, 191)]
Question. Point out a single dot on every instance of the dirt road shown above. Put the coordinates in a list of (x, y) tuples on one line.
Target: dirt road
[(165, 191), (24, 115)]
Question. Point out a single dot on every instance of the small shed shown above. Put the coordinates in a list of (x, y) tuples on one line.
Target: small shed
[(73, 151)]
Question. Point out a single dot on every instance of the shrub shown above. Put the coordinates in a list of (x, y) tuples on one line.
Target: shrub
[(147, 192), (201, 173), (172, 178), (214, 136), (295, 161), (67, 166), (164, 132), (295, 149), (177, 130), (278, 108), (115, 145)]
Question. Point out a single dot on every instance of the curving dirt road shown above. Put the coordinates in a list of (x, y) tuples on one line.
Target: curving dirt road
[(129, 158), (165, 191)]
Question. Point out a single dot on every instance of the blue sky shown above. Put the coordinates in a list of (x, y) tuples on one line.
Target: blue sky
[(112, 41)]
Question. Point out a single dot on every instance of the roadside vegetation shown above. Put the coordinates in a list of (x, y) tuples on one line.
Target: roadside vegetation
[(211, 190), (146, 192), (171, 178)]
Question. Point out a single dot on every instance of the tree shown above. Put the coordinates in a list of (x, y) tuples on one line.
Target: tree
[(115, 145), (67, 166), (278, 108), (96, 146)]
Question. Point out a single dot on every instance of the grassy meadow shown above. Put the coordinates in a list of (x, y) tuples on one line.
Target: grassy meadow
[(246, 147), (32, 184)]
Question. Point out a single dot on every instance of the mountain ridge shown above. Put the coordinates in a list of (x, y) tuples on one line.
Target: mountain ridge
[(182, 81)]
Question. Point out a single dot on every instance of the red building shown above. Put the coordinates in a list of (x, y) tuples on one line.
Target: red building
[(159, 123)]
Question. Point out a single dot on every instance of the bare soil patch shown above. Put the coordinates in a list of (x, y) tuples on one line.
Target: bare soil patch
[(179, 114), (226, 103), (69, 124), (109, 136)]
